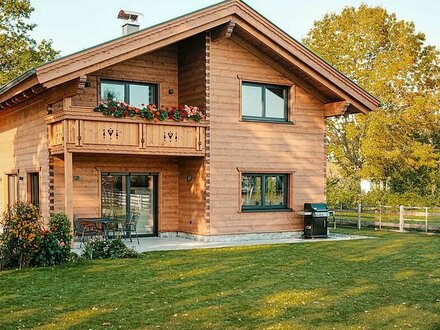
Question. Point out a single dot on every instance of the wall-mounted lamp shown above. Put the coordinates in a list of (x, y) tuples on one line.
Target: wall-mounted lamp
[(189, 178), (171, 91), (21, 178), (76, 178)]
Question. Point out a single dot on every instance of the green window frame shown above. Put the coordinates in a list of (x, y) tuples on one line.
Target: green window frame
[(126, 86), (264, 192), (250, 103), (34, 188)]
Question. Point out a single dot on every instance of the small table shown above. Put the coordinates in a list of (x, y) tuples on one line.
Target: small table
[(104, 221)]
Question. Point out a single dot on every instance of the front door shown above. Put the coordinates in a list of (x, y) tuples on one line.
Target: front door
[(123, 194)]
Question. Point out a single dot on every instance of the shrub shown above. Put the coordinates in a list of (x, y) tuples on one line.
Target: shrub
[(54, 243), (22, 227), (97, 248)]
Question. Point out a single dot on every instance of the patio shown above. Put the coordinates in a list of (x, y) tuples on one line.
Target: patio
[(177, 243)]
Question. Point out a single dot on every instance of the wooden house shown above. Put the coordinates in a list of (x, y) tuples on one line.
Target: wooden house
[(244, 170)]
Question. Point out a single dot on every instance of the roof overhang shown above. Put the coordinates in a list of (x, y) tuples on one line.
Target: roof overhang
[(231, 17)]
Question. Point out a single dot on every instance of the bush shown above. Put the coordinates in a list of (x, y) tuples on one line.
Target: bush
[(54, 243), (27, 242), (22, 227), (98, 248)]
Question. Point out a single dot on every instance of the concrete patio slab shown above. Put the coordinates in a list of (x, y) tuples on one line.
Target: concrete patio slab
[(177, 243)]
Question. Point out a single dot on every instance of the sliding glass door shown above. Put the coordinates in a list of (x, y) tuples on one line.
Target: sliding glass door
[(125, 195)]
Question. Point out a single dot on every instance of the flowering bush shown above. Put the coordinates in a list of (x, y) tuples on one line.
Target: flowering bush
[(26, 241), (98, 248), (151, 112), (54, 243), (22, 226)]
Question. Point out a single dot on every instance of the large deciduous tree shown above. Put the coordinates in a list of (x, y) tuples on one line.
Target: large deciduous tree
[(399, 143), (18, 50)]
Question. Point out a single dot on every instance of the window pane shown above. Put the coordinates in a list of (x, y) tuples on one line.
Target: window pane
[(274, 190), (141, 94), (12, 189), (35, 189), (112, 91), (251, 191), (251, 101), (275, 102)]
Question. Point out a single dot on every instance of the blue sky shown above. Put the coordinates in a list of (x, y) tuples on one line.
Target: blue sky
[(77, 24)]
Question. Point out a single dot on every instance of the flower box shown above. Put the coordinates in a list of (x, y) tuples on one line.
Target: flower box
[(150, 112)]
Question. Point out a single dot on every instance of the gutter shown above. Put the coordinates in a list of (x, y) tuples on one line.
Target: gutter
[(17, 80)]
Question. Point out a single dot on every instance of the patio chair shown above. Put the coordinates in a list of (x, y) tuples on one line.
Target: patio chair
[(82, 230), (130, 226), (117, 226)]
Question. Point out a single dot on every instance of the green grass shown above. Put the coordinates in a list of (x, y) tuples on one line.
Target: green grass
[(391, 281)]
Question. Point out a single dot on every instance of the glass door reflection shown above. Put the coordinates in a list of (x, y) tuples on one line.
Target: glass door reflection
[(125, 196)]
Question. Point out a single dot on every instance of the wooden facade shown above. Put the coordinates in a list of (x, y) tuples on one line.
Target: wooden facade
[(48, 126)]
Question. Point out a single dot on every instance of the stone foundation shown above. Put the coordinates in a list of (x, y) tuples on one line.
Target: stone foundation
[(234, 237)]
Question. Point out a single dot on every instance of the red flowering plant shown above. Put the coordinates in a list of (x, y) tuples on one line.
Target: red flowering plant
[(116, 109), (150, 111)]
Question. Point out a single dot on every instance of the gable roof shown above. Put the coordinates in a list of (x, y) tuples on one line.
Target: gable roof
[(251, 27)]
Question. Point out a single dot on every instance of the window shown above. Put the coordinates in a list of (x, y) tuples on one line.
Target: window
[(12, 189), (134, 94), (262, 102), (34, 188), (264, 192)]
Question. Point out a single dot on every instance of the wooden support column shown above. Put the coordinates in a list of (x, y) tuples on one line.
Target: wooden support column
[(68, 185)]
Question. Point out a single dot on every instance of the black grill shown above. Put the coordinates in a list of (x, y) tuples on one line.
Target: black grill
[(315, 220)]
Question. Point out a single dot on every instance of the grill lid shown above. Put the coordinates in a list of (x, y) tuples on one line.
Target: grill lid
[(315, 207)]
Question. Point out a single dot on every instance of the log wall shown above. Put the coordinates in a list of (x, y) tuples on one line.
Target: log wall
[(23, 150), (235, 144)]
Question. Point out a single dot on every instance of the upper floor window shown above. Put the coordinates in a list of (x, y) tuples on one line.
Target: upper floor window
[(132, 93), (262, 102)]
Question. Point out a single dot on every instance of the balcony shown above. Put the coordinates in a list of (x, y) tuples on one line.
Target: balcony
[(80, 130)]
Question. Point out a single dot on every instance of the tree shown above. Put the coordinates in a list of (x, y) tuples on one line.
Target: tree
[(18, 51), (399, 143)]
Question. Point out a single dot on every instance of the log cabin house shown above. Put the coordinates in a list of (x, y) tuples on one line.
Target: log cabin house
[(244, 170)]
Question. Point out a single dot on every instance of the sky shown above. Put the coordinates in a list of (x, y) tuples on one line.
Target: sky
[(74, 25)]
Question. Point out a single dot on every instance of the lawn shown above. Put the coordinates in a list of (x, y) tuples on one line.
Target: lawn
[(390, 281)]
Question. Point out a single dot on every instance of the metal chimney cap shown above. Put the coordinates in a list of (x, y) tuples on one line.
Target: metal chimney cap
[(129, 15)]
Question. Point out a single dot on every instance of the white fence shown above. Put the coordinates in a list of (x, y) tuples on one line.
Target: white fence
[(400, 218)]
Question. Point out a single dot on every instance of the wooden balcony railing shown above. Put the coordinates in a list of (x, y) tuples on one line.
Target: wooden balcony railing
[(81, 130)]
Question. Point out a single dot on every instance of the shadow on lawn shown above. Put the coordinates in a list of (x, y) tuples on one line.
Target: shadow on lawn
[(376, 283)]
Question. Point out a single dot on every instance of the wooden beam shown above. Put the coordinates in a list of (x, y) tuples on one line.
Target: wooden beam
[(336, 108), (223, 32)]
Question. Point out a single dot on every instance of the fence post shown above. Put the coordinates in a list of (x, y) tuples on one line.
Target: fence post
[(359, 215), (380, 216), (401, 218), (426, 220)]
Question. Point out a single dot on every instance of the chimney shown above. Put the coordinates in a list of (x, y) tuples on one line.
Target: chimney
[(130, 19)]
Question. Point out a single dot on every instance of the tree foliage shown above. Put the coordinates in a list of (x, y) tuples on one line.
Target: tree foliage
[(399, 143), (18, 51)]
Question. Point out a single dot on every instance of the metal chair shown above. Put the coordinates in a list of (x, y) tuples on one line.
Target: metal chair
[(130, 226), (82, 230), (118, 226)]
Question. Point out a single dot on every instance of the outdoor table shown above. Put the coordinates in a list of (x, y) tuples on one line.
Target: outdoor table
[(103, 221)]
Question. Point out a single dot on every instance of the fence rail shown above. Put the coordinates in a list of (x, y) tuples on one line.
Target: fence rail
[(401, 217)]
